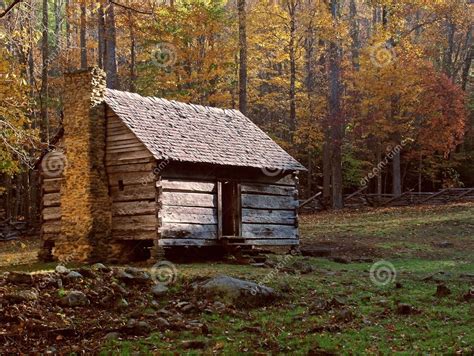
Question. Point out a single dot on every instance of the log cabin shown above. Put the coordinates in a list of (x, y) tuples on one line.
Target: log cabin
[(130, 172)]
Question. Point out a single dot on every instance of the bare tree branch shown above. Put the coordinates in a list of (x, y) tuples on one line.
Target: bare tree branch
[(9, 8), (131, 8)]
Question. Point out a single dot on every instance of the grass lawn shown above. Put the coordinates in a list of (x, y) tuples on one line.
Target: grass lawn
[(337, 308)]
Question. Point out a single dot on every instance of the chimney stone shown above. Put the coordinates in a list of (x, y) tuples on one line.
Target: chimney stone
[(85, 201)]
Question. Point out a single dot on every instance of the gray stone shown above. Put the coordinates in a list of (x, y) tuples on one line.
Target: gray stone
[(62, 270), (121, 303), (159, 290), (75, 299), (112, 336), (138, 327), (239, 291), (132, 277), (100, 267), (74, 275), (162, 323)]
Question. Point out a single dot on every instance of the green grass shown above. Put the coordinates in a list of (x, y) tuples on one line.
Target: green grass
[(296, 324)]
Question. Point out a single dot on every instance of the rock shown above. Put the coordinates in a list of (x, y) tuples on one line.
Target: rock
[(75, 299), (442, 291), (74, 275), (100, 267), (121, 303), (159, 290), (193, 344), (20, 278), (112, 336), (119, 289), (341, 259), (259, 265), (138, 327), (405, 309), (162, 323), (62, 270), (135, 277), (21, 296), (238, 291), (260, 258)]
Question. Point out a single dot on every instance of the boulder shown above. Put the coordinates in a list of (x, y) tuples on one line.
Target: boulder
[(74, 275), (159, 290), (138, 327), (237, 291), (75, 299), (62, 270), (132, 276), (100, 267)]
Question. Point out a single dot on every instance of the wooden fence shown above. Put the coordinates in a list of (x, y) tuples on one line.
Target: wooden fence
[(360, 199)]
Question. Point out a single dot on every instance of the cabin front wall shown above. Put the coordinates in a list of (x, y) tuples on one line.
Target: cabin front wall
[(192, 207)]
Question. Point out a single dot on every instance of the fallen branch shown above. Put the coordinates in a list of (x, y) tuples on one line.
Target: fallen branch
[(9, 8)]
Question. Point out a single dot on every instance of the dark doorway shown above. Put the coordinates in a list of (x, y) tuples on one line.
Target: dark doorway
[(230, 208)]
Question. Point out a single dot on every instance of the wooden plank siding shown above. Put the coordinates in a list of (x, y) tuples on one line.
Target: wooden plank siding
[(131, 183), (269, 211), (51, 208), (187, 211)]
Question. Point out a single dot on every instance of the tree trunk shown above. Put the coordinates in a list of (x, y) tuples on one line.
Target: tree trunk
[(379, 176), (335, 115), (100, 36), (83, 40), (354, 34), (242, 56), (292, 5), (327, 168), (133, 74), (110, 62), (44, 76), (396, 175)]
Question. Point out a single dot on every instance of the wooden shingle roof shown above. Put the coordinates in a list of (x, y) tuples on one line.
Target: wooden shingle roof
[(194, 133)]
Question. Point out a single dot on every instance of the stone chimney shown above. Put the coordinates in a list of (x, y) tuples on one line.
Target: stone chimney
[(85, 201)]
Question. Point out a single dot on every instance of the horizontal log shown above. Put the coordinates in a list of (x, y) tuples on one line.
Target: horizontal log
[(53, 226), (268, 242), (127, 150), (268, 189), (124, 145), (194, 231), (187, 242), (134, 223), (188, 199), (127, 161), (173, 214), (144, 153), (133, 208), (52, 185), (127, 136), (51, 199), (133, 193), (131, 178), (270, 231), (52, 213), (131, 167), (268, 202), (134, 235), (180, 185), (257, 216), (118, 130)]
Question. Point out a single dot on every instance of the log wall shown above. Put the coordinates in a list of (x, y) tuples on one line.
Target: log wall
[(187, 212), (131, 183), (51, 208), (269, 211)]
